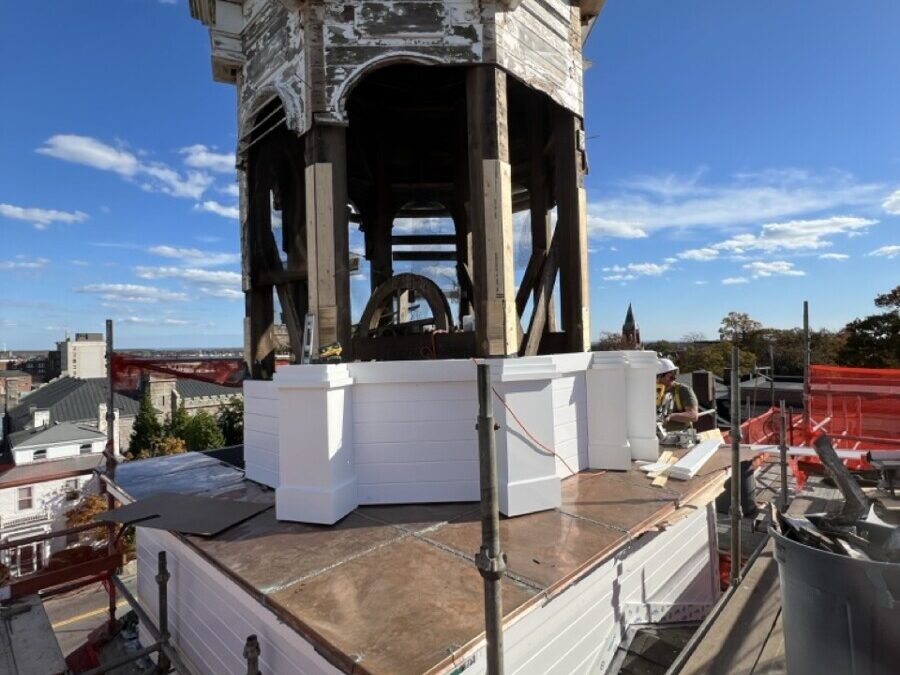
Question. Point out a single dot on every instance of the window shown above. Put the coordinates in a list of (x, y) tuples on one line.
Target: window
[(25, 498), (86, 449), (39, 454)]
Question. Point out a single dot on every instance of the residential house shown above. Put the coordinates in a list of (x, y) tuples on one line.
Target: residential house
[(46, 471)]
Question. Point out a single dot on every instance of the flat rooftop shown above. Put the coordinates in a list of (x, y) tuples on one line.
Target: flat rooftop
[(394, 589)]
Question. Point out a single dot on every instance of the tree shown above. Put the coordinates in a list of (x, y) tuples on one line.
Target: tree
[(872, 342), (147, 429), (609, 342), (203, 432), (85, 512), (890, 300), (736, 326), (166, 445), (231, 421), (178, 422)]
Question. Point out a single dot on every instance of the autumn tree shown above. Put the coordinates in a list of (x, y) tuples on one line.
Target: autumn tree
[(85, 512), (609, 342)]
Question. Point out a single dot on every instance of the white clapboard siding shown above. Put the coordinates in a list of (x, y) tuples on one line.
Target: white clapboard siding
[(210, 616), (570, 423), (261, 431)]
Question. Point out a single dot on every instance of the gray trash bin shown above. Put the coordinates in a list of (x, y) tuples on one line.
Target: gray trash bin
[(840, 615)]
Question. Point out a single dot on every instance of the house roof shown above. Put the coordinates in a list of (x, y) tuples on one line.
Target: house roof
[(63, 432), (37, 472), (71, 399), (196, 389), (14, 373)]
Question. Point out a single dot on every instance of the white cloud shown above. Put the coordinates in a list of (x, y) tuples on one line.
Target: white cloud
[(41, 218), (833, 256), (196, 256), (599, 226), (730, 281), (156, 322), (151, 176), (620, 277), (634, 270), (774, 268), (702, 254), (201, 157), (211, 206), (24, 263), (796, 234), (232, 190), (892, 204), (891, 251), (215, 283), (650, 203), (132, 293), (700, 283), (80, 263)]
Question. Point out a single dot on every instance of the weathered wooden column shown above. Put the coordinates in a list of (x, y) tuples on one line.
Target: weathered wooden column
[(571, 210), (327, 236), (260, 310), (491, 212), (293, 209), (539, 199)]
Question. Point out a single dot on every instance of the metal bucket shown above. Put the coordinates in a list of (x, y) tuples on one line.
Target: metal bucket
[(840, 615)]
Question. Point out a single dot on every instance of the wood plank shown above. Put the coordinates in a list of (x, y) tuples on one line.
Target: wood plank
[(532, 340), (736, 639), (491, 212), (529, 279)]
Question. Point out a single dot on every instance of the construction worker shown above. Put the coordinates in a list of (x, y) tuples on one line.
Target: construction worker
[(676, 403)]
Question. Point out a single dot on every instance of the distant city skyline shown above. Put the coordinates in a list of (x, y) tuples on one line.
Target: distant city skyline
[(743, 157)]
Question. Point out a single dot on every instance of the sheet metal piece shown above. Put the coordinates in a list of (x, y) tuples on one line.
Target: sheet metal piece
[(188, 514)]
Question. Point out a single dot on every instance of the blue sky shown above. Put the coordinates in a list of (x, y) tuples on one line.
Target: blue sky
[(744, 156)]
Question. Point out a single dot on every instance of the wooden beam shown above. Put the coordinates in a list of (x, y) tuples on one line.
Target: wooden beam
[(539, 186), (327, 233), (532, 338), (490, 212), (424, 255), (420, 239), (260, 312), (529, 279), (571, 209)]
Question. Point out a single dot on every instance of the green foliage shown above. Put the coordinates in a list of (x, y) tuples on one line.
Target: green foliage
[(147, 429), (736, 326), (166, 445), (231, 421), (873, 342), (179, 421), (202, 432), (714, 357), (889, 300)]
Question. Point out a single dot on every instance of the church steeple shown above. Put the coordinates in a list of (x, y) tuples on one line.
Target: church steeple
[(631, 333)]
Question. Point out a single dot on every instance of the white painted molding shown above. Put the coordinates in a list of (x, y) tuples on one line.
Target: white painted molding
[(608, 444), (640, 405), (330, 437)]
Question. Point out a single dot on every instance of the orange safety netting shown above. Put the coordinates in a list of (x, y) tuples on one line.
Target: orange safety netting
[(858, 408)]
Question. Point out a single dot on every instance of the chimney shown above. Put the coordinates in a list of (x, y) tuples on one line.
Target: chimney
[(102, 426)]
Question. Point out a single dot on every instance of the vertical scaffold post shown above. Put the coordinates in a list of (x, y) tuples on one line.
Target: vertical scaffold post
[(163, 665), (109, 452), (490, 559), (251, 654), (806, 357), (782, 451), (736, 513)]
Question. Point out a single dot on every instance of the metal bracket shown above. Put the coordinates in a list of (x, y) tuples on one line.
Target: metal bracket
[(490, 567)]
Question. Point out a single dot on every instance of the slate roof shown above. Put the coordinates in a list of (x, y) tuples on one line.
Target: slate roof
[(71, 399), (195, 389), (63, 432)]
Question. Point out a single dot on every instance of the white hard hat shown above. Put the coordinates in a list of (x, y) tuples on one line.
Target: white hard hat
[(665, 366)]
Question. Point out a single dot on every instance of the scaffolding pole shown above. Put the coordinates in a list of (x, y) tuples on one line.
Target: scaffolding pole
[(736, 513)]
